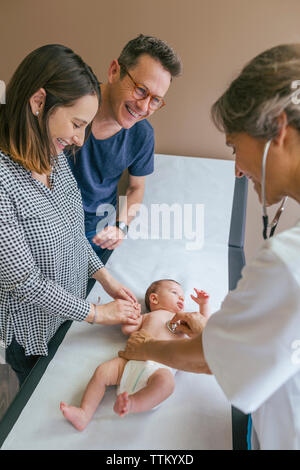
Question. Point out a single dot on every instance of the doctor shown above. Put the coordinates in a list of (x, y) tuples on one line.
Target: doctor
[(252, 344)]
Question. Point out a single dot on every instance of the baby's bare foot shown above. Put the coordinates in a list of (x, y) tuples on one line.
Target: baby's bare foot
[(75, 415), (123, 404)]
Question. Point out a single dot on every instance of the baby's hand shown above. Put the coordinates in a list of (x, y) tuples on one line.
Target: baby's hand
[(202, 300), (202, 297)]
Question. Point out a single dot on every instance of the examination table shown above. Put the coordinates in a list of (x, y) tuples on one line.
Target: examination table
[(200, 245)]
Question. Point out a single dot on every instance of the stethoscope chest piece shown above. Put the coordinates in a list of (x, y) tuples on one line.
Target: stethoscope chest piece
[(171, 326)]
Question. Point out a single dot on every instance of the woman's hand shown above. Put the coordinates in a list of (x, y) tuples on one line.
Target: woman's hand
[(117, 291), (122, 292), (136, 347), (118, 311), (191, 324), (113, 287)]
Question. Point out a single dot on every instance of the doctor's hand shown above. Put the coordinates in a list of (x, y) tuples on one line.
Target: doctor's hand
[(110, 237), (191, 324), (136, 347)]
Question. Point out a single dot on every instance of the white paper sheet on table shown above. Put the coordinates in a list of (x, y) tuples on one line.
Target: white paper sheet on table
[(197, 415)]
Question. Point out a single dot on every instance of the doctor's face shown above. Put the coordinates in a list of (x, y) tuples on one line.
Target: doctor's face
[(248, 153), (148, 72)]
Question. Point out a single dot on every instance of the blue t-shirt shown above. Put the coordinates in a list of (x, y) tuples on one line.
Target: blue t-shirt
[(99, 164)]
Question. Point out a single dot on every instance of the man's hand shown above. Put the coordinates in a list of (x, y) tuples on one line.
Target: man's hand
[(110, 237)]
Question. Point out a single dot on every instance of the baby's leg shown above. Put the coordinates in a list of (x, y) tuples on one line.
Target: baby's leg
[(159, 387), (108, 373)]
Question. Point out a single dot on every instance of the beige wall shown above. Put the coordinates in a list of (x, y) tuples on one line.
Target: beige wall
[(214, 38)]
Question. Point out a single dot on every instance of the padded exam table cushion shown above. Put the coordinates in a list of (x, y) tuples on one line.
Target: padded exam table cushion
[(197, 415)]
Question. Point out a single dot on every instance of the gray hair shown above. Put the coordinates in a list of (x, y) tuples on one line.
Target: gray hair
[(154, 47), (263, 90)]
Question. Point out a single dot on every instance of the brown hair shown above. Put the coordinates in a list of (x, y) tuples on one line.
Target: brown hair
[(65, 77), (153, 289), (261, 92), (154, 47)]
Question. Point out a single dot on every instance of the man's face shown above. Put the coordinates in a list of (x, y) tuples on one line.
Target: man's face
[(125, 109)]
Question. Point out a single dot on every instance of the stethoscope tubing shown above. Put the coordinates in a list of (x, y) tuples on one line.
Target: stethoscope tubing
[(265, 217)]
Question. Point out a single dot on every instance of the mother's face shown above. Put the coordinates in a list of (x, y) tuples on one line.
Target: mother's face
[(67, 124)]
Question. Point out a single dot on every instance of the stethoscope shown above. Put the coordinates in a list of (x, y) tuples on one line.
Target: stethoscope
[(265, 217), (172, 326)]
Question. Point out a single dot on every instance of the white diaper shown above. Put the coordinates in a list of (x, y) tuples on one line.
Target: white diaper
[(136, 374)]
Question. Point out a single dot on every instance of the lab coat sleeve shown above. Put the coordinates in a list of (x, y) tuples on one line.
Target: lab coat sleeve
[(248, 342)]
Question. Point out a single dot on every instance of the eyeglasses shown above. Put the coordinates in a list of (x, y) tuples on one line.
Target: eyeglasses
[(141, 92)]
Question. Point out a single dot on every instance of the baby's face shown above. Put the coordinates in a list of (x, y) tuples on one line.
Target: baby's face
[(170, 296)]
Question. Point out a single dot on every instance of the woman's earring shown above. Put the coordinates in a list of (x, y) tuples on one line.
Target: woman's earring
[(37, 113)]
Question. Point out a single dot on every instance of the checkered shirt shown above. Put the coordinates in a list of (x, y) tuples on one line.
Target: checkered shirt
[(45, 258)]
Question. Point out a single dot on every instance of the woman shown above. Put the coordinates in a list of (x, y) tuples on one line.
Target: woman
[(45, 259), (252, 344)]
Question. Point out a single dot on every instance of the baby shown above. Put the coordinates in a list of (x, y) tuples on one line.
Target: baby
[(143, 385)]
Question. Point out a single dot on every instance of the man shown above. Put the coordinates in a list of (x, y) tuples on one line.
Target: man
[(122, 138)]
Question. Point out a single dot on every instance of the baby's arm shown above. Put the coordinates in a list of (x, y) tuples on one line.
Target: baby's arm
[(128, 329), (202, 300)]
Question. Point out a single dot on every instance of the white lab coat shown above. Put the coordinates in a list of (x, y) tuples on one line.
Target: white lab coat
[(252, 344)]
